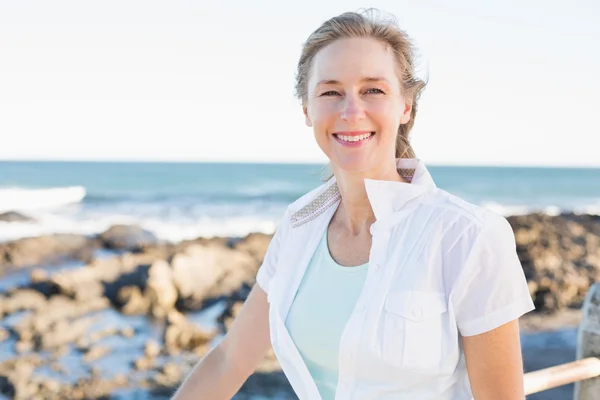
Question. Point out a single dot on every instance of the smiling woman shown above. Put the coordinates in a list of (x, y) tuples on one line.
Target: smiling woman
[(377, 284), (363, 71)]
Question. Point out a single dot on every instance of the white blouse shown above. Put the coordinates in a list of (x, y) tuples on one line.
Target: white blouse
[(439, 268)]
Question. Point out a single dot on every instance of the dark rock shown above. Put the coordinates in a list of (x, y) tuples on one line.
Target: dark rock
[(96, 352), (131, 301), (50, 249), (560, 257), (160, 289), (137, 278), (255, 244), (23, 299), (128, 237), (181, 334), (204, 272), (13, 216)]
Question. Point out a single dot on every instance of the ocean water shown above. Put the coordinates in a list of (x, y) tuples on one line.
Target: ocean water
[(185, 200)]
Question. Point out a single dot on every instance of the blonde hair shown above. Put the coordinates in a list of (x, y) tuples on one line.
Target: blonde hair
[(365, 24)]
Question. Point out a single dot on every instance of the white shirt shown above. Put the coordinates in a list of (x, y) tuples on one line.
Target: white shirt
[(439, 268)]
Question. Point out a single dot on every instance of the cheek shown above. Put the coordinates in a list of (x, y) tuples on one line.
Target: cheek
[(388, 115), (324, 113)]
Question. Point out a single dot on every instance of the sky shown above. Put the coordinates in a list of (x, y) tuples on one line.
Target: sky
[(509, 82)]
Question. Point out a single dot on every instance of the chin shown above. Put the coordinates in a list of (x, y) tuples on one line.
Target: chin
[(354, 164)]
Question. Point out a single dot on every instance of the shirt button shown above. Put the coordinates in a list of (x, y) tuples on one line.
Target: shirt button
[(361, 307), (375, 266), (417, 312)]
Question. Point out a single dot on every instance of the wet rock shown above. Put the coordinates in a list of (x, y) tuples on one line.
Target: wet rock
[(133, 301), (24, 346), (151, 349), (182, 334), (138, 277), (255, 244), (143, 363), (127, 332), (92, 387), (560, 257), (95, 353), (231, 312), (58, 309), (171, 369), (13, 216), (102, 333), (160, 289), (83, 344), (38, 275), (61, 351), (16, 376), (23, 299), (70, 282), (128, 237), (170, 375), (63, 332), (4, 334), (56, 367), (84, 291), (50, 249), (202, 272), (50, 385)]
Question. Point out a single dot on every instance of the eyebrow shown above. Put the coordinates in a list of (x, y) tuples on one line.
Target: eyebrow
[(365, 79)]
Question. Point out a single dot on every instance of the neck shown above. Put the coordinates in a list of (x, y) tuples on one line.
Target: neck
[(355, 213)]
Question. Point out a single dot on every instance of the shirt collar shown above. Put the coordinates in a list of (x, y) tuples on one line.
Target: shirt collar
[(386, 197)]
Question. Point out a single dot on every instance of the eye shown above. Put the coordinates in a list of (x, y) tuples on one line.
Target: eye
[(375, 91), (330, 93)]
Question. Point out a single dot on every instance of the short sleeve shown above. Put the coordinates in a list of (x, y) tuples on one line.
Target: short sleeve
[(491, 288), (267, 269)]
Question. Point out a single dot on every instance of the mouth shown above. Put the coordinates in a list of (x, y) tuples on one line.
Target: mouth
[(353, 138)]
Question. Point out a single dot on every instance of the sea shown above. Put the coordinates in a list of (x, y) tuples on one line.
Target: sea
[(179, 201)]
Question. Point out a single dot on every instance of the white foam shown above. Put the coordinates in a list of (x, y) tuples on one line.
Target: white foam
[(508, 210), (21, 199), (173, 223), (593, 209), (168, 230)]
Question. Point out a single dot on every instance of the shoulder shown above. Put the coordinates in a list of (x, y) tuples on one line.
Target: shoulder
[(463, 219)]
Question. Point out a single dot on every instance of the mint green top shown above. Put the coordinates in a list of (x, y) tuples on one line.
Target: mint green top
[(322, 306)]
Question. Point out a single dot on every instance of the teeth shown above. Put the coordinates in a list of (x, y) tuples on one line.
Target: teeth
[(354, 138)]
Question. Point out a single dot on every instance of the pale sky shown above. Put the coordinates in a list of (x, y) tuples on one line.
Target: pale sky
[(510, 82)]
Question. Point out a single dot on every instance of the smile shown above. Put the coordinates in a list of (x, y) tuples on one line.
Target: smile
[(353, 139)]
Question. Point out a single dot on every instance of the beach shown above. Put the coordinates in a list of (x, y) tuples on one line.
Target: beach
[(111, 290), (122, 314)]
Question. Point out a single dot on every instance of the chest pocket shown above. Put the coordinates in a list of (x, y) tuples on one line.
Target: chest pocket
[(413, 328)]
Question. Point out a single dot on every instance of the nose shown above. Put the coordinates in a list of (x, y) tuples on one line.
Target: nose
[(352, 109)]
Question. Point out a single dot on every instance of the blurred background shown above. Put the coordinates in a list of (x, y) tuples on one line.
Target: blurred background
[(148, 151)]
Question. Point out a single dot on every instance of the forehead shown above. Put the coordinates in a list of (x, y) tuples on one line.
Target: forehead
[(352, 59)]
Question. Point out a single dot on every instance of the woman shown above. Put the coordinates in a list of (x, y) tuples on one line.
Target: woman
[(378, 284)]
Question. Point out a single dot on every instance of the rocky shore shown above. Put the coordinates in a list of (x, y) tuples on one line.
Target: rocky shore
[(123, 315)]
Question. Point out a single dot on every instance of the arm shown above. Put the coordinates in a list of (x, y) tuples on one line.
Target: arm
[(222, 371), (489, 296), (495, 364)]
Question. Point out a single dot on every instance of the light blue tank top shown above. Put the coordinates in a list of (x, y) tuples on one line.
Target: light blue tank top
[(322, 306)]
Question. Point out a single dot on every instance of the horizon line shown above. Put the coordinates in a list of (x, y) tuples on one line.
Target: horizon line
[(276, 162)]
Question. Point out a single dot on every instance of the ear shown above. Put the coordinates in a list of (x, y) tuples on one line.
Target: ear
[(307, 120), (406, 112)]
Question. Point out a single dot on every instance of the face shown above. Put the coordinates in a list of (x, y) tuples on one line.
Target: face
[(354, 104)]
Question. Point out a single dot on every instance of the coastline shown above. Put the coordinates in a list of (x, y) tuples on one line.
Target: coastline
[(122, 313)]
